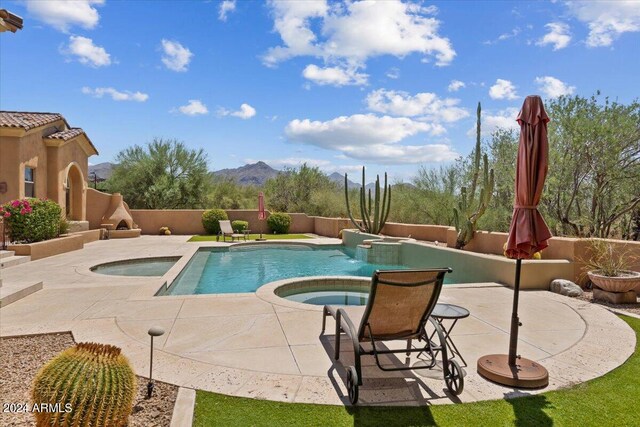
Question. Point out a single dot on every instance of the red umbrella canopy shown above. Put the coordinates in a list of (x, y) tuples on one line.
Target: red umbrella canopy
[(528, 232), (262, 215)]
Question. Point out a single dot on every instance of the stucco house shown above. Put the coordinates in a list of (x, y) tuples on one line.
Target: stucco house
[(42, 156)]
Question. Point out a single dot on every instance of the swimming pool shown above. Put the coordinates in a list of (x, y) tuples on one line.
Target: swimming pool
[(146, 267), (244, 268)]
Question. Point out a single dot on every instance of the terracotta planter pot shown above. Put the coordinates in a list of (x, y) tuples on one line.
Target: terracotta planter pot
[(625, 283)]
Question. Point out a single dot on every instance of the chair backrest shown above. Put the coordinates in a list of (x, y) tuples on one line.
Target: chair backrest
[(400, 301), (225, 226)]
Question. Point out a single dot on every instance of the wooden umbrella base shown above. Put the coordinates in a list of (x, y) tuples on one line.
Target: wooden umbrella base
[(525, 374)]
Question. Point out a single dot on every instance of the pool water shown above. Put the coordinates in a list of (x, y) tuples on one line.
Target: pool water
[(246, 268), (331, 297), (137, 267)]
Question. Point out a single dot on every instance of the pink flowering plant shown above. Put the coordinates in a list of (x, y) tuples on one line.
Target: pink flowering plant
[(31, 220)]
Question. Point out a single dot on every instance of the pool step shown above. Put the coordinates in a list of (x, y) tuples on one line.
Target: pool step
[(13, 260)]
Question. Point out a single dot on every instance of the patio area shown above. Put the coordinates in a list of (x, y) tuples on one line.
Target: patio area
[(245, 345)]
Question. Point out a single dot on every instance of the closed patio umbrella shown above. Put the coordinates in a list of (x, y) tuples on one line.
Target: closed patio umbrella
[(262, 214), (528, 234)]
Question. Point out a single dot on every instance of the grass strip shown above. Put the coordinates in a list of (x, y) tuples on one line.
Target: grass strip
[(212, 238)]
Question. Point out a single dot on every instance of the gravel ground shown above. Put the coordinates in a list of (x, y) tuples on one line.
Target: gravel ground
[(631, 308), (20, 359)]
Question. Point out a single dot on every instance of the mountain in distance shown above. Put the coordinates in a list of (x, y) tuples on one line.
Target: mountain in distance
[(251, 174), (338, 178), (103, 171)]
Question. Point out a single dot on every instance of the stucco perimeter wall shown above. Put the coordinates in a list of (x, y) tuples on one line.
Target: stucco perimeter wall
[(97, 205), (329, 227), (180, 221), (189, 221)]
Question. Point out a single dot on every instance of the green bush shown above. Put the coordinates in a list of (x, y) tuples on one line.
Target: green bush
[(239, 226), (31, 220), (279, 222), (211, 220)]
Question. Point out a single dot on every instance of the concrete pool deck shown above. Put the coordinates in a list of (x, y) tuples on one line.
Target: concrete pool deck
[(242, 345)]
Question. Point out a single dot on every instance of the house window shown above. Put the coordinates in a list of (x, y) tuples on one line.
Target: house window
[(29, 182)]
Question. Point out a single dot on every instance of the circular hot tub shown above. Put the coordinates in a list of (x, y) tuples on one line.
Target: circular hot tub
[(317, 291)]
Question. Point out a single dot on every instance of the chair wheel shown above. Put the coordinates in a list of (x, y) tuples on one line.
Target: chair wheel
[(352, 384), (454, 379)]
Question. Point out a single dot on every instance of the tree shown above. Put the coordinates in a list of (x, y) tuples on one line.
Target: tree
[(594, 165), (305, 189), (432, 199), (226, 193), (164, 174), (503, 150)]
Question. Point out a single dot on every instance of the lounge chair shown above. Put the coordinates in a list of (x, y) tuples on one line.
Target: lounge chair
[(400, 304), (227, 230)]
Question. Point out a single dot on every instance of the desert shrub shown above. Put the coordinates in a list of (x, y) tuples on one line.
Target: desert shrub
[(239, 226), (64, 226), (31, 220), (94, 385), (279, 222), (211, 220)]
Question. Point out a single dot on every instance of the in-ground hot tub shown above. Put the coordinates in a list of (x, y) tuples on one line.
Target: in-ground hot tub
[(143, 267), (318, 291)]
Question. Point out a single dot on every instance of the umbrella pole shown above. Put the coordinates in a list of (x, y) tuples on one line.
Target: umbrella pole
[(512, 370), (515, 321)]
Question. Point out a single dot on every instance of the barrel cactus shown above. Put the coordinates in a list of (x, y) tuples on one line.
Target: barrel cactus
[(91, 384)]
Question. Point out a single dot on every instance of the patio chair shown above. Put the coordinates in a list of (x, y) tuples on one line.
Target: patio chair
[(400, 303), (227, 230)]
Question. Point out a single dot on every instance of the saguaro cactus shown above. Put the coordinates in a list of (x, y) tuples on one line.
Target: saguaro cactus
[(374, 216), (86, 385), (466, 215)]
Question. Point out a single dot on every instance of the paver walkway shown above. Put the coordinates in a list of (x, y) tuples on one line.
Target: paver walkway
[(241, 344)]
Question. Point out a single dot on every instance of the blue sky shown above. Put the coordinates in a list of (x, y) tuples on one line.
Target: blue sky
[(390, 85)]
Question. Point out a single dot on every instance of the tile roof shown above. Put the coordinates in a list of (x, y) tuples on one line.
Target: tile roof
[(66, 134), (26, 120)]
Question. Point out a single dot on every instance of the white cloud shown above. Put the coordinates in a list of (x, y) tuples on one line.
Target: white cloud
[(245, 112), (393, 73), (427, 106), (352, 32), (559, 36), (503, 89), (64, 14), (455, 85), (370, 137), (176, 57), (504, 36), (607, 20), (194, 107), (334, 76), (87, 53), (116, 95), (225, 7), (503, 119), (553, 88)]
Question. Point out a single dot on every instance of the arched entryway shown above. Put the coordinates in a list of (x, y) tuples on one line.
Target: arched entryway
[(74, 193)]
